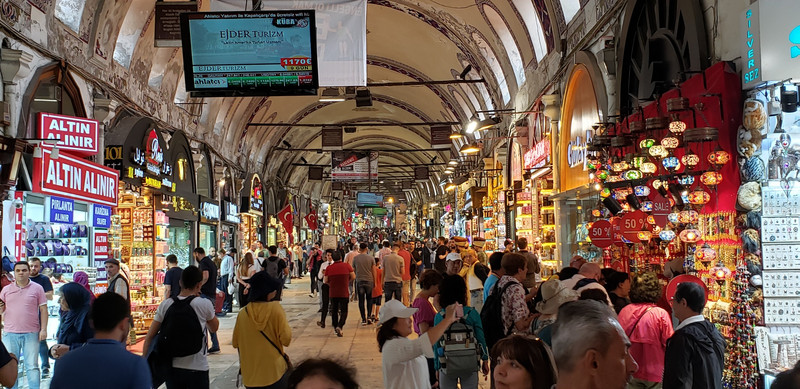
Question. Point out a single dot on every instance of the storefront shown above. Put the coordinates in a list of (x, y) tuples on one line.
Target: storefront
[(251, 228), (769, 57), (209, 219), (229, 218), (182, 205)]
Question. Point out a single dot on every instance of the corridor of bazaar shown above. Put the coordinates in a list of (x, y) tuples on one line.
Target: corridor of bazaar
[(477, 165)]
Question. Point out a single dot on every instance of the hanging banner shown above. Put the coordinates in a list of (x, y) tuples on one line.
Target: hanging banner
[(74, 178), (600, 233), (354, 166), (440, 137), (256, 196), (770, 42), (76, 135), (311, 220), (535, 157)]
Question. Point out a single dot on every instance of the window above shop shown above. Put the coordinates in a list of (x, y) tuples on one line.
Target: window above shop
[(70, 13), (507, 39), (534, 26), (488, 53), (131, 30), (570, 8)]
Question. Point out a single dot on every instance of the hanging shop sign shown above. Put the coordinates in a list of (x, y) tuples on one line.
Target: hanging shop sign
[(632, 223), (771, 41), (100, 245), (149, 166), (537, 155), (101, 216), (61, 210), (232, 213), (579, 112), (256, 198), (354, 166), (661, 210), (209, 211), (440, 137), (74, 178), (76, 135), (112, 157), (600, 233), (19, 239), (168, 22)]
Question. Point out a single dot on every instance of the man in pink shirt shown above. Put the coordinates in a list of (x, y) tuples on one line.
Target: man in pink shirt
[(23, 305), (406, 255)]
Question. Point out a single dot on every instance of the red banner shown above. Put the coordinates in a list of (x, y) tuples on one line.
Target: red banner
[(19, 234), (286, 218), (74, 178), (100, 246), (632, 223), (311, 219), (77, 135), (348, 225)]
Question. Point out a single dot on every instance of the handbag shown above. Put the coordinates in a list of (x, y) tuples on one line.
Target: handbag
[(231, 288)]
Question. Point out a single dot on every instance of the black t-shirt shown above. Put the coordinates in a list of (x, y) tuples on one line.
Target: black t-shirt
[(439, 263), (44, 281), (210, 287), (5, 357), (281, 265), (173, 279)]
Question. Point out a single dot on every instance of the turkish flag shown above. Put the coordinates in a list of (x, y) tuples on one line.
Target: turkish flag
[(286, 218), (348, 225), (311, 219)]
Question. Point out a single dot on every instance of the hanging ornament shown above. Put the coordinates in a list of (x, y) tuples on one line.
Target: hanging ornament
[(689, 235), (647, 206), (596, 212), (651, 219), (688, 216), (641, 190), (644, 235), (647, 143), (673, 217), (648, 168), (633, 174), (667, 235), (720, 273), (699, 197), (711, 178), (658, 151), (719, 157), (670, 142), (638, 161), (620, 166), (691, 160), (677, 126), (705, 254), (602, 174), (605, 192), (686, 180), (672, 164)]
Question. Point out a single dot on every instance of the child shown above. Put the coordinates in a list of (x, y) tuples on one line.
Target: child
[(377, 290)]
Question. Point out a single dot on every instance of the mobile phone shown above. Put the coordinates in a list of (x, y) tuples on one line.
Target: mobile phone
[(459, 311)]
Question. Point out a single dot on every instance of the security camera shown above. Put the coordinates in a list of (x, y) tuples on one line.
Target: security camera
[(18, 204)]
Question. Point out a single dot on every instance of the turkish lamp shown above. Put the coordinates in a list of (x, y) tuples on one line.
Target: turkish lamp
[(686, 180), (651, 219), (658, 151), (719, 157), (641, 190), (647, 143), (647, 206), (648, 168), (673, 217), (670, 142), (699, 197), (667, 235), (691, 160), (705, 255), (605, 192), (602, 174), (633, 174), (688, 216), (720, 273), (711, 178), (677, 126), (672, 164), (644, 235), (690, 235)]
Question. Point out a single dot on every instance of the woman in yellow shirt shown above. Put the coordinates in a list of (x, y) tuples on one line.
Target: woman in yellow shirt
[(260, 334)]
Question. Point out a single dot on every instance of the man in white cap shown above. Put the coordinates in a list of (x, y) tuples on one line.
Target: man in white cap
[(453, 264)]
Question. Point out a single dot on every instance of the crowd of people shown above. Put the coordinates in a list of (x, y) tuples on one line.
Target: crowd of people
[(446, 315)]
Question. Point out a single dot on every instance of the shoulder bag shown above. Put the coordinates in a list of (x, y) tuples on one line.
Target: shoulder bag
[(637, 322), (285, 357)]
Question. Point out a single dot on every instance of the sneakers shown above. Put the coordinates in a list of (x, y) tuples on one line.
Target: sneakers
[(321, 324), (214, 350), (45, 373), (338, 332), (370, 321), (364, 322), (311, 295)]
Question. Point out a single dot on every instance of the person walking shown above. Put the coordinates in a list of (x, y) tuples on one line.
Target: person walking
[(496, 266), (208, 290), (191, 371), (515, 313), (365, 281), (244, 272), (172, 279), (110, 315), (406, 276), (533, 264), (285, 256), (338, 275), (314, 262), (47, 285), (695, 353), (348, 259), (403, 359), (425, 314), (23, 305), (324, 290), (83, 279), (393, 274), (74, 329), (377, 293), (276, 268), (648, 327), (618, 286), (226, 277), (260, 334)]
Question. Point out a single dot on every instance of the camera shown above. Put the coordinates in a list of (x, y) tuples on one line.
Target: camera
[(18, 204)]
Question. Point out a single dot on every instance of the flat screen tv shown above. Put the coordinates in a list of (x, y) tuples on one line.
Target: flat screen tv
[(369, 200), (256, 53)]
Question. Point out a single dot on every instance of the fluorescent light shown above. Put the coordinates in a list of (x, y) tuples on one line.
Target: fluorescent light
[(456, 135), (46, 100)]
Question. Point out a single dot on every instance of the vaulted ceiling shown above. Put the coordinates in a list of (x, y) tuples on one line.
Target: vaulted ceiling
[(424, 40)]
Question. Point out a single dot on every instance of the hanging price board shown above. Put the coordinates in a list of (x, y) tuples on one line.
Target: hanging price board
[(632, 223), (616, 231), (661, 209), (600, 233)]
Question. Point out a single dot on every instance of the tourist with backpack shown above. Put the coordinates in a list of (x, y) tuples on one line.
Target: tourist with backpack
[(179, 330), (260, 334), (506, 310), (275, 268), (461, 352)]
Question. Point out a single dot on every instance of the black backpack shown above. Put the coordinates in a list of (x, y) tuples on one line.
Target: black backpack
[(181, 333), (492, 316)]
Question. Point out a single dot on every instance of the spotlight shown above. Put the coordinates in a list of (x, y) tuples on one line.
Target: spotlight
[(456, 134), (633, 201), (450, 186), (453, 162), (464, 72), (287, 144), (470, 148), (612, 204)]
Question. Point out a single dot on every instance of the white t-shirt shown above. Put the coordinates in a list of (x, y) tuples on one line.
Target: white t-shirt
[(321, 274), (205, 312), (404, 363)]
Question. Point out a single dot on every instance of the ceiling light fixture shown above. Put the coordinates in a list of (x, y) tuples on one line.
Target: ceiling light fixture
[(456, 135), (450, 187), (470, 148), (331, 95), (453, 162)]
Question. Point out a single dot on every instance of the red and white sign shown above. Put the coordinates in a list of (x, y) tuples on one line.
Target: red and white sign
[(77, 135), (100, 246), (616, 231), (74, 178), (19, 235), (600, 233), (632, 223), (661, 210), (537, 154)]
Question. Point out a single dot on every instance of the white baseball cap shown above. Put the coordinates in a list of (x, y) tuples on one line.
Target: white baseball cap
[(453, 257), (394, 308)]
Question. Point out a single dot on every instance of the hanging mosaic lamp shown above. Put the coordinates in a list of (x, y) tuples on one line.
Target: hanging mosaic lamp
[(673, 217), (658, 151), (644, 236), (688, 216), (647, 143), (671, 163), (690, 235), (705, 254), (647, 206), (605, 192), (648, 168), (677, 126), (641, 190), (691, 160), (633, 174), (670, 142), (602, 174), (699, 197), (667, 235), (651, 219), (596, 213), (720, 273), (711, 178), (686, 180), (719, 157), (620, 166)]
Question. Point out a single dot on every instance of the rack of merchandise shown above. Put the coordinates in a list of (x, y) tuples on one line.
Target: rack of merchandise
[(524, 216), (489, 230), (546, 221)]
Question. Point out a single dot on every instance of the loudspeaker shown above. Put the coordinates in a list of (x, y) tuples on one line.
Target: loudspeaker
[(363, 98)]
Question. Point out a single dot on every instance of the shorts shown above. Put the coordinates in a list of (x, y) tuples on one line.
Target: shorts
[(377, 300)]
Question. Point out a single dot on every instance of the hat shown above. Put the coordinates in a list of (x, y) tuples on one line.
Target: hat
[(478, 242), (554, 294), (112, 260), (394, 308), (453, 257), (460, 241), (469, 252), (261, 285)]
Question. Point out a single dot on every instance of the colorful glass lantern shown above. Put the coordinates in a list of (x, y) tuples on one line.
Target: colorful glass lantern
[(686, 180), (699, 197), (671, 163), (719, 157), (670, 142), (667, 235), (647, 206), (596, 213), (690, 235), (673, 217), (647, 143), (677, 126), (705, 254), (648, 168), (633, 174), (605, 192), (644, 236), (720, 273), (711, 178), (602, 174), (619, 195), (691, 160), (641, 190), (657, 184), (651, 219), (658, 151), (688, 216), (620, 166)]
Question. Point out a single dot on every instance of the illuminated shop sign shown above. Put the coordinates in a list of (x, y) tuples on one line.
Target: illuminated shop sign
[(209, 211), (771, 42), (256, 196), (538, 154), (232, 213), (74, 178), (576, 150), (76, 135), (149, 164)]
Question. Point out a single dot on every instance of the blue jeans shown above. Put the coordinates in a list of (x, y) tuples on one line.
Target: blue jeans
[(214, 340), (26, 345), (44, 355)]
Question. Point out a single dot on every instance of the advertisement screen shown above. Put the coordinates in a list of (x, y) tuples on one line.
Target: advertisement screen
[(258, 53), (369, 200), (354, 166)]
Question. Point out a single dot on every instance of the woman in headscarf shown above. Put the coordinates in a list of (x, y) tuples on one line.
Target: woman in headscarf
[(74, 329), (83, 279)]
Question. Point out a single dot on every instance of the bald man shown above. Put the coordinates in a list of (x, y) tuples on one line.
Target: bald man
[(588, 277)]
